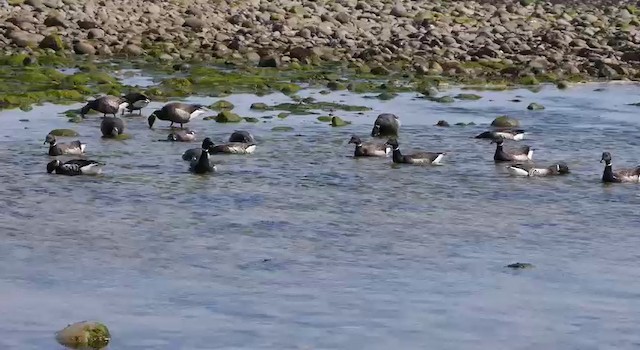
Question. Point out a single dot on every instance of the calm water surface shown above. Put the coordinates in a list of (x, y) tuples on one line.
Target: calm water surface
[(300, 246)]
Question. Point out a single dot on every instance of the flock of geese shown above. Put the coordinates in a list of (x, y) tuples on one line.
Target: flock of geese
[(386, 125)]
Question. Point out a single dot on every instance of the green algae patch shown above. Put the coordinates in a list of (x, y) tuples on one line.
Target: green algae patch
[(441, 99), (84, 335), (64, 133), (283, 115), (259, 106), (302, 108), (385, 96), (119, 137), (468, 97), (337, 121), (251, 119), (324, 119), (227, 117), (281, 128), (221, 105)]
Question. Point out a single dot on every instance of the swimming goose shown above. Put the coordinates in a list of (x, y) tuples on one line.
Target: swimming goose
[(182, 136), (136, 102), (75, 167), (233, 148), (242, 136), (106, 104), (530, 170), (386, 124), (622, 175), (523, 153), (369, 149), (515, 135), (111, 126), (415, 158), (57, 149), (176, 112), (202, 164)]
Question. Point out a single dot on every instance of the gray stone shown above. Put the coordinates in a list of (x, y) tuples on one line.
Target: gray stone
[(95, 33), (83, 48), (398, 10)]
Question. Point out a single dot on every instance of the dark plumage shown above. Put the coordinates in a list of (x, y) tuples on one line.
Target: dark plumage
[(136, 102), (58, 149), (622, 175), (369, 149), (75, 167), (202, 164), (111, 127), (504, 134), (524, 153), (106, 105), (530, 170), (242, 136), (176, 112), (415, 158), (386, 125)]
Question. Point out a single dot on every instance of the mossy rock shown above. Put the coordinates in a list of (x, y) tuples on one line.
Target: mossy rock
[(337, 121), (324, 92), (289, 89), (535, 106), (468, 97), (505, 122), (385, 96), (464, 124), (76, 119), (335, 85), (259, 106), (281, 128), (228, 117), (283, 115), (380, 70), (222, 105), (64, 133), (443, 123), (251, 119), (528, 80), (562, 85), (120, 137), (83, 335), (443, 99), (324, 119)]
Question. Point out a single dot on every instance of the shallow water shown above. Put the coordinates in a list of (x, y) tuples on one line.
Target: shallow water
[(300, 246)]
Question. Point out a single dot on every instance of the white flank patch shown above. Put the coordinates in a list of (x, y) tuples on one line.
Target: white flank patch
[(196, 114), (82, 147), (141, 104), (530, 154), (387, 150), (123, 105), (518, 137), (515, 171), (91, 169), (251, 149), (438, 159)]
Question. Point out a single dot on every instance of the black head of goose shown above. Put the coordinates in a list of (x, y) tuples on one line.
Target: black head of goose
[(386, 125), (521, 169), (75, 167), (111, 127), (369, 149), (418, 158), (58, 149), (508, 134), (202, 164), (524, 153), (136, 102), (621, 175), (176, 112), (182, 136), (242, 136), (106, 105)]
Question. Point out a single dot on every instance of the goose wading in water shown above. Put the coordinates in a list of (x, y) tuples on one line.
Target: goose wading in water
[(621, 175), (177, 112), (182, 136), (530, 170), (385, 125), (136, 102), (515, 135), (58, 149), (418, 158), (111, 127), (524, 153), (202, 164), (106, 105), (75, 167), (369, 149)]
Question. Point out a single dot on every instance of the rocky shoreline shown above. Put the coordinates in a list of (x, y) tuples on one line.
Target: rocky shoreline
[(522, 40)]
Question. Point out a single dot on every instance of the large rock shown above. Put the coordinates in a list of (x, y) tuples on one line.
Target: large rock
[(228, 117), (53, 42), (505, 122), (83, 335), (83, 48)]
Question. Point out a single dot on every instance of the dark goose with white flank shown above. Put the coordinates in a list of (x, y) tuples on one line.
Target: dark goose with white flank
[(531, 170), (515, 135), (182, 136), (202, 164), (58, 149), (111, 127), (106, 105), (418, 158), (369, 149), (386, 124), (242, 136), (524, 153), (177, 112), (136, 102), (621, 175), (75, 167)]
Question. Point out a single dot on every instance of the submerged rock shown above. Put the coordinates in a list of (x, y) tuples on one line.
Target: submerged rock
[(259, 106), (221, 105), (324, 118), (228, 117), (535, 106), (505, 122), (469, 97), (84, 335), (443, 123), (251, 119), (63, 133), (282, 128), (337, 121), (520, 265)]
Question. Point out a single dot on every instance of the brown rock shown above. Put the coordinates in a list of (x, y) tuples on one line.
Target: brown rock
[(95, 33), (52, 42), (194, 23), (83, 48), (87, 24), (24, 39), (269, 61), (55, 21)]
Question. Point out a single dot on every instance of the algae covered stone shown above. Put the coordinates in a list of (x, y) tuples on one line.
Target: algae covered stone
[(535, 106), (251, 119), (505, 122), (468, 97), (221, 105), (85, 334), (259, 106), (337, 121), (63, 133), (324, 118), (228, 117), (281, 128)]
